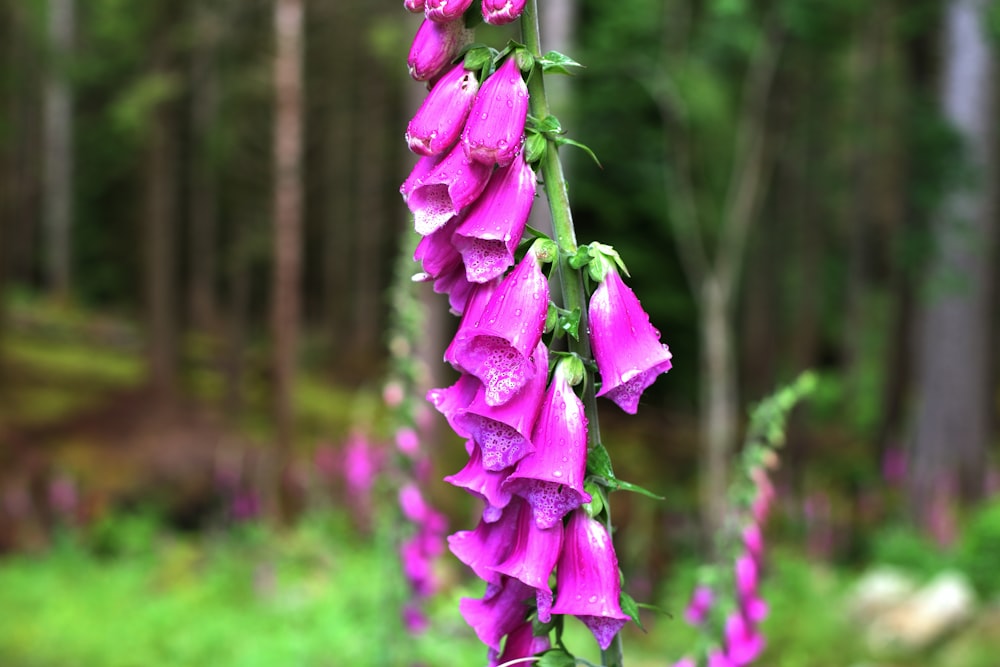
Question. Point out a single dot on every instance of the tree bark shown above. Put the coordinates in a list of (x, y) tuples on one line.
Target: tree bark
[(952, 426), (288, 197), (58, 199)]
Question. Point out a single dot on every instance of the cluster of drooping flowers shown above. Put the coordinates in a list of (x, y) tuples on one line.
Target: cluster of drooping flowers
[(727, 602), (541, 476)]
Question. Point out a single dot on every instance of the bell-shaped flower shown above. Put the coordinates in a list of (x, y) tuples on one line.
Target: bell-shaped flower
[(487, 546), (498, 613), (495, 129), (521, 643), (438, 123), (627, 348), (472, 310), (434, 47), (551, 478), (501, 12), (497, 346), (587, 578), (453, 283), (415, 6), (746, 576), (449, 401), (436, 253), (422, 169), (532, 557), (753, 540), (503, 432), (445, 10), (454, 183), (484, 483), (491, 229), (744, 643)]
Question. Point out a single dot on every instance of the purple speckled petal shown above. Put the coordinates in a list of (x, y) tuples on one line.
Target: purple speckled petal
[(454, 183)]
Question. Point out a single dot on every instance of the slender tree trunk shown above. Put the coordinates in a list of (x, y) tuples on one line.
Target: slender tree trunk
[(203, 186), (159, 218), (58, 200), (288, 197), (952, 431)]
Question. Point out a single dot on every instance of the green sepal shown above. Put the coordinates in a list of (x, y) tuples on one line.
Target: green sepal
[(606, 253), (599, 464), (571, 367), (554, 62), (630, 607), (551, 317), (536, 233), (549, 125), (534, 147), (545, 249), (525, 61), (556, 658), (477, 56), (580, 258), (596, 504), (540, 629), (593, 156)]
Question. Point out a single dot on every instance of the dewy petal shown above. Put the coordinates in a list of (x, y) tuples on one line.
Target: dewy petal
[(587, 578), (501, 12), (445, 10), (493, 226), (495, 129), (472, 310), (486, 546), (521, 643), (438, 123), (551, 478), (436, 253), (434, 47), (487, 484), (453, 184), (532, 558), (626, 347), (499, 613), (497, 346), (421, 170), (503, 432), (449, 401)]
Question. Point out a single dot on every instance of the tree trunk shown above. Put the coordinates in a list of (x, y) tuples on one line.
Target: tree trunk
[(953, 416), (288, 196), (159, 218), (58, 200), (203, 184)]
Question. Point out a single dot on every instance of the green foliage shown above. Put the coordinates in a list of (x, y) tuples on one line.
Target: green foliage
[(979, 549), (904, 547)]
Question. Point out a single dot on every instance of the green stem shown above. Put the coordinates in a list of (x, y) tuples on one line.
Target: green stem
[(565, 236)]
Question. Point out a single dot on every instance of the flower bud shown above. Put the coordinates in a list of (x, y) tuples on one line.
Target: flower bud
[(440, 119), (495, 129), (445, 10), (500, 12), (415, 6), (434, 46)]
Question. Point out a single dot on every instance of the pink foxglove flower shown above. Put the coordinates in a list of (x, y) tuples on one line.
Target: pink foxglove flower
[(434, 46), (450, 400), (718, 658), (701, 602), (453, 184), (486, 546), (445, 10), (500, 12), (438, 123), (500, 611), (436, 253), (532, 557), (495, 129), (627, 348), (487, 484), (421, 170), (753, 540), (587, 579), (551, 478), (497, 346), (521, 643), (472, 311), (490, 231), (503, 432), (415, 6), (746, 576), (744, 643)]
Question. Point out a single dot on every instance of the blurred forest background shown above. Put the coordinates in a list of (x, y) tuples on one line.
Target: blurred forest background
[(199, 224)]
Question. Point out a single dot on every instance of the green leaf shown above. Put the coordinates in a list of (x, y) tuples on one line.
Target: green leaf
[(556, 658), (599, 463), (593, 156), (635, 488), (630, 607), (554, 62)]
